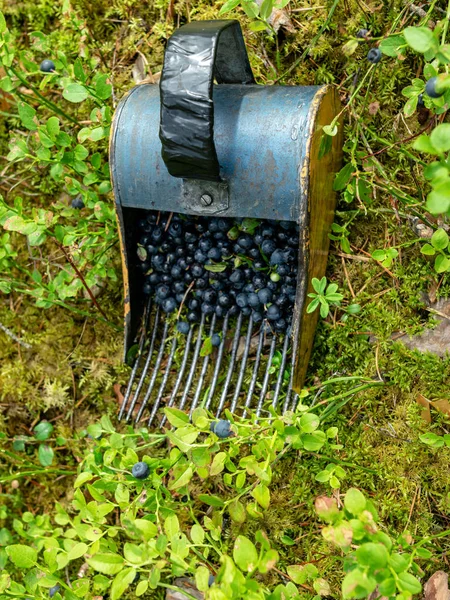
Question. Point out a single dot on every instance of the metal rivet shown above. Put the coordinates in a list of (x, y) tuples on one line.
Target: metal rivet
[(206, 200)]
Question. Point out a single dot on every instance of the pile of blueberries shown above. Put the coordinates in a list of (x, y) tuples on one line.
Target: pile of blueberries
[(226, 266)]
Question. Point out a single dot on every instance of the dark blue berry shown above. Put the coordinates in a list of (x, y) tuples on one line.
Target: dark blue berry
[(280, 325), (362, 33), (242, 300), (193, 316), (53, 590), (178, 287), (209, 295), (224, 300), (205, 244), (374, 55), (215, 340), (273, 312), (245, 241), (157, 234), (214, 254), (277, 257), (430, 88), (197, 270), (183, 327), (147, 288), (162, 291), (47, 66), (257, 316), (176, 272), (236, 276), (253, 300), (140, 470), (78, 203), (268, 246), (169, 305), (265, 295), (207, 308), (211, 580), (221, 428)]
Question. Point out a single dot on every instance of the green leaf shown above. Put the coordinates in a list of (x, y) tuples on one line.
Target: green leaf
[(245, 554), (408, 583), (420, 39), (309, 422), (43, 431), (323, 476), (354, 501), (372, 555), (428, 250), (141, 588), (52, 127), (121, 582), (106, 563), (440, 239), (197, 534), (265, 9), (237, 511), (330, 130), (82, 478), (441, 264), (261, 494), (300, 574), (171, 525), (206, 347), (410, 106), (431, 439), (211, 500), (440, 137), (77, 551), (229, 5), (176, 417), (3, 26), (182, 480), (358, 584), (22, 556), (391, 46), (103, 89), (46, 455), (27, 114), (343, 177), (75, 92)]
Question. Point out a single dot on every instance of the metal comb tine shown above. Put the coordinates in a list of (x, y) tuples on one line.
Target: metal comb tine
[(295, 401), (265, 385), (281, 373), (180, 373), (137, 362), (289, 390), (248, 340), (255, 370), (234, 349), (151, 385), (146, 366), (164, 381), (193, 368), (213, 385), (203, 371)]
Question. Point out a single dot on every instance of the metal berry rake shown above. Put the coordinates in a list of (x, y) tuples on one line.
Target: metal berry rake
[(238, 151)]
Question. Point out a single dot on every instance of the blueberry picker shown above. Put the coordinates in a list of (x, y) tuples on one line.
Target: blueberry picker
[(224, 196)]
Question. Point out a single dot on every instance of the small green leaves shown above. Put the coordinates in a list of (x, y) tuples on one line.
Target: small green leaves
[(324, 296), (245, 554), (75, 92), (46, 455), (22, 556), (106, 563), (386, 256), (354, 501), (343, 177), (421, 39)]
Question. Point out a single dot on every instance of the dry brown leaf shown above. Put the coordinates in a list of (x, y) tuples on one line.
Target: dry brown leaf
[(442, 405), (436, 588)]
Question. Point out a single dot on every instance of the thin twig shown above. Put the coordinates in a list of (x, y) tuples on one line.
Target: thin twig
[(14, 337), (83, 281)]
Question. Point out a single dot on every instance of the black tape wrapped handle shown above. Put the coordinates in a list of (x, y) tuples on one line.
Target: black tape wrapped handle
[(196, 54)]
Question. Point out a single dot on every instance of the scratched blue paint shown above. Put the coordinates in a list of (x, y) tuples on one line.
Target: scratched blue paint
[(261, 135)]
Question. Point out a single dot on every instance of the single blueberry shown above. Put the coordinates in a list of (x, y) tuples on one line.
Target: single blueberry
[(78, 203), (175, 229), (193, 304), (211, 580), (234, 310), (221, 428), (169, 305), (430, 88), (136, 578), (52, 591), (178, 287), (236, 276), (267, 231), (224, 300), (254, 253), (207, 308), (362, 33), (277, 257), (147, 288), (209, 295), (253, 300), (183, 327), (374, 55), (151, 249), (245, 241), (273, 312), (265, 295), (140, 470), (259, 280), (193, 316), (201, 283), (220, 312), (162, 291), (258, 265), (157, 234), (176, 272), (47, 66), (197, 270), (215, 340), (214, 254), (268, 246), (280, 325), (246, 311), (179, 298), (205, 244), (257, 316), (242, 300), (154, 278), (272, 285), (283, 270), (420, 102)]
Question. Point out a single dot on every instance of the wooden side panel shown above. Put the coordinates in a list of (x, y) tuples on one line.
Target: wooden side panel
[(317, 179)]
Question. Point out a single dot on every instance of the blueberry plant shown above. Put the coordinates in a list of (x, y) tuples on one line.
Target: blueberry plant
[(63, 117)]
